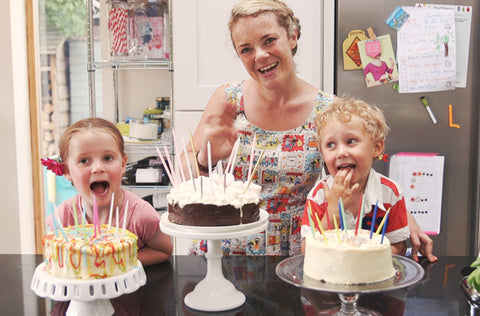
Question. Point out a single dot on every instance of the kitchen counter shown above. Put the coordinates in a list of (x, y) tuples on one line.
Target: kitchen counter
[(438, 293)]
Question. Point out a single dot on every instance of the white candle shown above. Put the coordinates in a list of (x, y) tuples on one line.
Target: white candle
[(111, 210), (125, 213)]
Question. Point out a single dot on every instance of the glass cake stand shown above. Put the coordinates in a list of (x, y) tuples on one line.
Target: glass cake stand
[(87, 297), (407, 272), (214, 293)]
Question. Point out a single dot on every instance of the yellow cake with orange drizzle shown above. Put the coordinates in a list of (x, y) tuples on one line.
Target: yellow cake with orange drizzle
[(86, 255)]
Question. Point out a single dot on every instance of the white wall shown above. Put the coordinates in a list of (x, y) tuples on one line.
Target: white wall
[(16, 192)]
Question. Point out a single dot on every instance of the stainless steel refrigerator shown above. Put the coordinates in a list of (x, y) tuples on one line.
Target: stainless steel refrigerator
[(411, 128)]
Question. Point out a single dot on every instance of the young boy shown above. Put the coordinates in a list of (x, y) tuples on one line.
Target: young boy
[(351, 134)]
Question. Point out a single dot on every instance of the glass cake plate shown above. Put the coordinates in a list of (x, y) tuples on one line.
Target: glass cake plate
[(407, 273)]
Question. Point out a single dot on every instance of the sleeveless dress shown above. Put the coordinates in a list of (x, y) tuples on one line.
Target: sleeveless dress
[(289, 168)]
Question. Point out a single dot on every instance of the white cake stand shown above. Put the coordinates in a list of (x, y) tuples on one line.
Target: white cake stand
[(214, 293), (87, 297)]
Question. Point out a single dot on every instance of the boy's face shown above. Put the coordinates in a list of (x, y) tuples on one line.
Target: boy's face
[(346, 147), (95, 166)]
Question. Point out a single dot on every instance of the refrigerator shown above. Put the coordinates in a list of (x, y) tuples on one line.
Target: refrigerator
[(412, 129)]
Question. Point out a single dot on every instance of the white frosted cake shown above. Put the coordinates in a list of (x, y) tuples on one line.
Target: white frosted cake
[(356, 260), (218, 200), (86, 255)]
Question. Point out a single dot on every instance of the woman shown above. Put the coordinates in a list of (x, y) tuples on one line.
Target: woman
[(275, 109)]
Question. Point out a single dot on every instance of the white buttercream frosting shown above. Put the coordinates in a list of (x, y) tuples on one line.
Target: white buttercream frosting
[(353, 260), (217, 190)]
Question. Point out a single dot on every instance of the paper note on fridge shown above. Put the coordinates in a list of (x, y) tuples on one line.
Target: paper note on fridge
[(426, 51), (420, 175)]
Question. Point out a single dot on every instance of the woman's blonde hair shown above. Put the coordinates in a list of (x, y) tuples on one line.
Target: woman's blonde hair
[(343, 110), (284, 14)]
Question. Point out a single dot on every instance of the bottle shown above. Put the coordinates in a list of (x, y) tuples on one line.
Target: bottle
[(147, 35), (148, 171), (167, 124)]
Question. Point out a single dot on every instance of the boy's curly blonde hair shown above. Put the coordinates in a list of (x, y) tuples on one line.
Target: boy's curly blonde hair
[(343, 109)]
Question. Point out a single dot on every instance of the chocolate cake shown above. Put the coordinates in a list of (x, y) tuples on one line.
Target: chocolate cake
[(199, 214)]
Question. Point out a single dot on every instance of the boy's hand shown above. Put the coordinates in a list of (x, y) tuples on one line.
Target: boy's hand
[(342, 188)]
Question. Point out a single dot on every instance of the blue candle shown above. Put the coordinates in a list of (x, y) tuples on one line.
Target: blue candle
[(372, 227), (340, 214)]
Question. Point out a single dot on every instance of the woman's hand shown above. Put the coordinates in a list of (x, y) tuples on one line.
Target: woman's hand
[(420, 241)]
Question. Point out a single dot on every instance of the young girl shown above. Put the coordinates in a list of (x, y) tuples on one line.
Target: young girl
[(94, 160), (351, 135)]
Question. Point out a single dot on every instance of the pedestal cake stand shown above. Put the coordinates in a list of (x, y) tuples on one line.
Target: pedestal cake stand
[(407, 272), (214, 293), (87, 297)]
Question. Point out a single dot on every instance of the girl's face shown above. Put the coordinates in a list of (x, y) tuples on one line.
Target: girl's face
[(264, 48), (95, 166), (348, 146)]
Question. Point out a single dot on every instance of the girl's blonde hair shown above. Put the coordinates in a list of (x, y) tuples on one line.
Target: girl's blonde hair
[(91, 123), (284, 14), (343, 110)]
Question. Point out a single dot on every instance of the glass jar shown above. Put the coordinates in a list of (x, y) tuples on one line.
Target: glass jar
[(147, 38)]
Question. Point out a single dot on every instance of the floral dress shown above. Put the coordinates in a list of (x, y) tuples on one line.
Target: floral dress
[(290, 166)]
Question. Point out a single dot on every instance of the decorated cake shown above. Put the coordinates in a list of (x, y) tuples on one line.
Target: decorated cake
[(355, 260), (218, 200), (77, 252)]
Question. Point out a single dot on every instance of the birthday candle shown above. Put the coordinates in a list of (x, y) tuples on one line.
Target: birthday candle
[(116, 222), (252, 155), (111, 210), (75, 214), (340, 213), (384, 228), (169, 160), (254, 170), (344, 218), (326, 210), (189, 165), (382, 222), (194, 153), (336, 229), (372, 226), (125, 213), (175, 144), (96, 224), (84, 222), (231, 160), (319, 224), (360, 215), (167, 168), (310, 220), (321, 229)]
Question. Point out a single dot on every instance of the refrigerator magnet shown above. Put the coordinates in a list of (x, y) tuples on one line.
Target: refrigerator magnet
[(351, 56)]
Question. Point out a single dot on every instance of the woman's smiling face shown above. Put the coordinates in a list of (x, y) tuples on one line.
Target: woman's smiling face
[(347, 145), (95, 165), (264, 47)]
